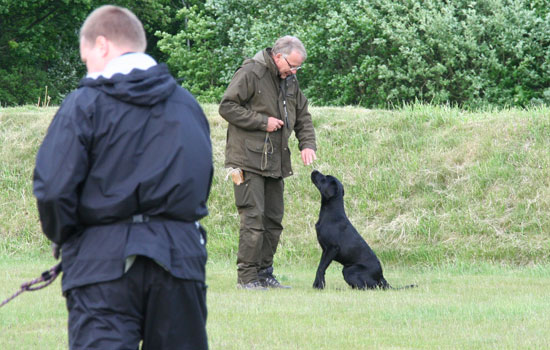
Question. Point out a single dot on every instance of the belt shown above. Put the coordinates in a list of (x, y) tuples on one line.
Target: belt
[(140, 219), (144, 218)]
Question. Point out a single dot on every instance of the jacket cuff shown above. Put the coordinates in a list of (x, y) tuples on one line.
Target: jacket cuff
[(263, 121), (308, 145)]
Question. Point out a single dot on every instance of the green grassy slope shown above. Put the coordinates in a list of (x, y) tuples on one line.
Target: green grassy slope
[(424, 185)]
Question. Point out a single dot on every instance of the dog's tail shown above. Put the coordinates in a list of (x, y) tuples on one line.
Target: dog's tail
[(403, 287), (385, 285)]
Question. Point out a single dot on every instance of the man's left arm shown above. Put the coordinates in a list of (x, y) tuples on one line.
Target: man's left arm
[(305, 133)]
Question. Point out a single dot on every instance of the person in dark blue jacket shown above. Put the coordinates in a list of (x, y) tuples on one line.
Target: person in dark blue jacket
[(121, 181)]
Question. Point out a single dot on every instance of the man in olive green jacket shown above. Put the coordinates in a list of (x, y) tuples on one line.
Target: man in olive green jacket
[(263, 105)]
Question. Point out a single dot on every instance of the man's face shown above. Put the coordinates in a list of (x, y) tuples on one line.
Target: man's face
[(92, 55), (288, 65)]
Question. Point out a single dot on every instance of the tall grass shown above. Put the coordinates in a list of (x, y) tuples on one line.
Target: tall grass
[(21, 132), (424, 185)]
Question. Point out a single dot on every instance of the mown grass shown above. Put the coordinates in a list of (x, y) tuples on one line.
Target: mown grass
[(461, 306), (424, 185)]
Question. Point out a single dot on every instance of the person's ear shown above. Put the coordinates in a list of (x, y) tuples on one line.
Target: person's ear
[(102, 44)]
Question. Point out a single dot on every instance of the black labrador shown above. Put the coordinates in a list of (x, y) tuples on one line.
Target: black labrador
[(341, 242)]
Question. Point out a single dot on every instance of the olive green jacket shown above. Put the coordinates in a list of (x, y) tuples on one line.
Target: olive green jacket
[(254, 94)]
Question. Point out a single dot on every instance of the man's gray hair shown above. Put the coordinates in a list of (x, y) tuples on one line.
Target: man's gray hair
[(286, 44)]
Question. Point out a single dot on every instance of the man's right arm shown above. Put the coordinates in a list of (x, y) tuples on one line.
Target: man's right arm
[(61, 167), (232, 107)]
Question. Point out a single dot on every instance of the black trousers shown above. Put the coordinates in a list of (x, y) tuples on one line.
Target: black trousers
[(147, 304)]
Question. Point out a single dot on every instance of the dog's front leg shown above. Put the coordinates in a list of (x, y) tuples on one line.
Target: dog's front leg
[(326, 258)]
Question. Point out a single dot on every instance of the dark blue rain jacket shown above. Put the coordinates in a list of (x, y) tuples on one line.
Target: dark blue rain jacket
[(118, 147)]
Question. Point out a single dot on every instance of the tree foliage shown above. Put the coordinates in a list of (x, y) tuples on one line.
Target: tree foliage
[(33, 36), (374, 53), (377, 52), (39, 43)]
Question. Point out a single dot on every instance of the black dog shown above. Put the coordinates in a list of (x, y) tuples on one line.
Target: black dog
[(341, 242)]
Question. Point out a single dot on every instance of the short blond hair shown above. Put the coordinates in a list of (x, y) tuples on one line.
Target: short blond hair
[(116, 24)]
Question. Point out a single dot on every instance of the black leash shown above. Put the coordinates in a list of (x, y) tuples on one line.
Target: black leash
[(46, 278)]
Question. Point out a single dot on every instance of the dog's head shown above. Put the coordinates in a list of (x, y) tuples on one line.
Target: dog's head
[(329, 186)]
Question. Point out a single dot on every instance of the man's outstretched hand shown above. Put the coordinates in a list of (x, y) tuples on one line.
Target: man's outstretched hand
[(308, 156)]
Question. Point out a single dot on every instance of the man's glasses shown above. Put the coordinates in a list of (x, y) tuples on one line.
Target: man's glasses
[(291, 66)]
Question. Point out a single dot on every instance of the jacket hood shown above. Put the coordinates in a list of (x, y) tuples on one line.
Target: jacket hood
[(264, 58), (139, 87)]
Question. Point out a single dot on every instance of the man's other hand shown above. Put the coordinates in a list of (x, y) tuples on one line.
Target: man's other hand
[(274, 124)]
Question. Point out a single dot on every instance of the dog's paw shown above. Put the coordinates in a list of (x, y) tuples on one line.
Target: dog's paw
[(319, 284)]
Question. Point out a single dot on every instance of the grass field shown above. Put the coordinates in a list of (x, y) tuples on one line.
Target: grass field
[(454, 201), (454, 307)]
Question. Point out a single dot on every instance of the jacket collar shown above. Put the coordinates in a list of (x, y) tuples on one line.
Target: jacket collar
[(124, 64), (264, 58)]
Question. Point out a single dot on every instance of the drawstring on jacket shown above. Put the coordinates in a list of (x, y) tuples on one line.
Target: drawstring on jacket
[(266, 151)]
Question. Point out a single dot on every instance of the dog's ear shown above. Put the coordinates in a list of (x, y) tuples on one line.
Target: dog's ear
[(331, 190), (339, 186)]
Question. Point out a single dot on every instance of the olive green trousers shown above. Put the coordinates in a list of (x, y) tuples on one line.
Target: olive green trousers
[(259, 201)]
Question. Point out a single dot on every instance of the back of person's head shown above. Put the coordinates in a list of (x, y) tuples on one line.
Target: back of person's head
[(286, 44), (118, 25)]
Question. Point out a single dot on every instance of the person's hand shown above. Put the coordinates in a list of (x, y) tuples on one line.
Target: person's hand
[(56, 250), (308, 156), (274, 124)]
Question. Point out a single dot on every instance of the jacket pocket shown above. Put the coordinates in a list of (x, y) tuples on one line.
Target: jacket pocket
[(260, 154)]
